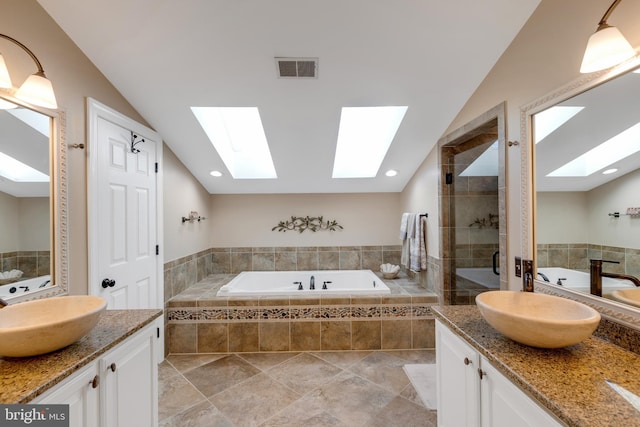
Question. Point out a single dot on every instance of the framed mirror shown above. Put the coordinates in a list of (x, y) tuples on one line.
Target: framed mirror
[(581, 182), (33, 214)]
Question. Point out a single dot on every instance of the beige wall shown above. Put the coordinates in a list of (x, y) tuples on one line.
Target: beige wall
[(588, 220), (545, 55), (421, 195), (183, 194), (9, 212), (24, 224), (33, 224), (246, 220), (553, 223), (615, 196), (74, 78)]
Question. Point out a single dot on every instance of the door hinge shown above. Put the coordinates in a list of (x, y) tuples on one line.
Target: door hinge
[(449, 178), (158, 332), (156, 167), (157, 249)]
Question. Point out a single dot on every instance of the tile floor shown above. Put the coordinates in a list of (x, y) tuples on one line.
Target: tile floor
[(348, 389)]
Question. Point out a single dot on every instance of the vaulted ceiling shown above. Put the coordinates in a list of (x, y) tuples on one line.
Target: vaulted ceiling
[(166, 56)]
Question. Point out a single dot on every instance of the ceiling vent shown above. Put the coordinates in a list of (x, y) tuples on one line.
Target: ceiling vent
[(297, 67)]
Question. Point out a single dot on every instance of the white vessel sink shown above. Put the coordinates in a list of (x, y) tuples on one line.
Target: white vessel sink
[(538, 320), (627, 296), (38, 327)]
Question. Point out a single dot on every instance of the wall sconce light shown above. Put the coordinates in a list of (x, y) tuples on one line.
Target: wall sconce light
[(606, 47), (37, 89)]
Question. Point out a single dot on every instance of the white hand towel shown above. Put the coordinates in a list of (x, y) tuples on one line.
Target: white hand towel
[(404, 223)]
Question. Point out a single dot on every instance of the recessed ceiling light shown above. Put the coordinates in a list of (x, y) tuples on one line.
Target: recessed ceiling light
[(215, 173), (545, 122), (391, 172), (610, 171), (617, 148), (364, 137), (17, 171), (238, 136)]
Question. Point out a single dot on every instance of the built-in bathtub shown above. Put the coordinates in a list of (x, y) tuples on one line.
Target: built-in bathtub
[(298, 283), (201, 321), (580, 281), (477, 277), (22, 286)]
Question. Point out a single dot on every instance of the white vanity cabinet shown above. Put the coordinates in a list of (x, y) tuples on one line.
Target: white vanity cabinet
[(82, 393), (119, 389), (457, 380), (471, 392)]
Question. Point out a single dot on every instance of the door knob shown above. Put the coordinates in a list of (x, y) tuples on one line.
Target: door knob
[(108, 283)]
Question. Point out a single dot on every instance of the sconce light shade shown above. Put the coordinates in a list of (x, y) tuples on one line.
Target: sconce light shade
[(37, 90), (606, 47), (5, 80)]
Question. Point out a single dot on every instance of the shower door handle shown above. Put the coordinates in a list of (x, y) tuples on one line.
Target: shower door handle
[(495, 263)]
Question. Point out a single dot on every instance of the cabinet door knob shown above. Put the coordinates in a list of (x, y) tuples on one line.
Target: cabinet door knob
[(113, 367), (95, 382), (467, 361), (481, 373)]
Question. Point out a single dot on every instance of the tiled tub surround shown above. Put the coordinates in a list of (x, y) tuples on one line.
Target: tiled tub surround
[(184, 272), (201, 322), (569, 382), (576, 256), (31, 263)]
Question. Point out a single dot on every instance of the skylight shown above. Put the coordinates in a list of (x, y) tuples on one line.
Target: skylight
[(486, 164), (17, 171), (617, 148), (37, 121), (364, 137), (545, 122), (238, 136)]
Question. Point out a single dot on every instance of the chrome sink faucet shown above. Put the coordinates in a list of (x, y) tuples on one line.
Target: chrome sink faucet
[(596, 275), (312, 283)]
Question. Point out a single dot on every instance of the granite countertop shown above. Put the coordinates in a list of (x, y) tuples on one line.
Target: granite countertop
[(23, 379), (569, 382)]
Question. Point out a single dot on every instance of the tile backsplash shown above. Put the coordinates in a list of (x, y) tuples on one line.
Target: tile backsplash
[(31, 263), (576, 256), (181, 273)]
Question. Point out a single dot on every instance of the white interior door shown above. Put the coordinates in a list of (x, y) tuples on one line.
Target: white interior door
[(125, 261)]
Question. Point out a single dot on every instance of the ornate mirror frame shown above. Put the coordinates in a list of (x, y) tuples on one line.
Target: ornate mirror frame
[(58, 204), (609, 309)]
